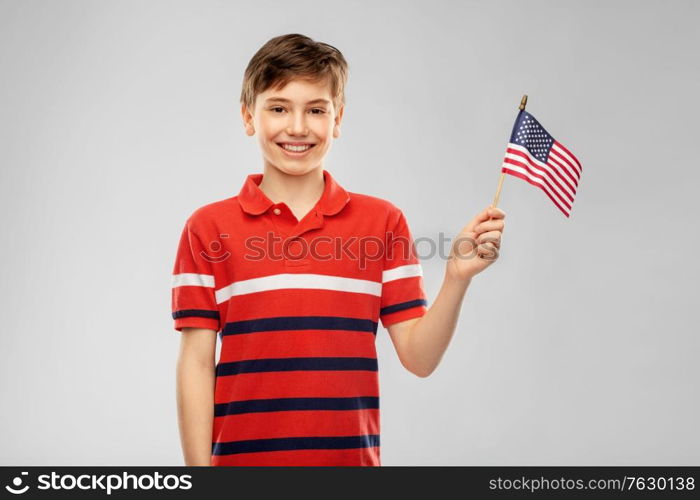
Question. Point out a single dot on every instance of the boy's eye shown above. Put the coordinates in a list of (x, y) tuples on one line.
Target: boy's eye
[(315, 111)]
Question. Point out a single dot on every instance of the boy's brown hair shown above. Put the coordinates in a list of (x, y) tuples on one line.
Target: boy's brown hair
[(294, 56)]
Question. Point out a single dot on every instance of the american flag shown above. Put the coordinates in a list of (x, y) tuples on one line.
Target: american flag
[(536, 157)]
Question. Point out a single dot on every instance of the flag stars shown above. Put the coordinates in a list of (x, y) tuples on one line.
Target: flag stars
[(533, 137)]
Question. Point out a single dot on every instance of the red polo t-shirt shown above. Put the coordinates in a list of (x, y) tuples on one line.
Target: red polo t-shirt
[(296, 304)]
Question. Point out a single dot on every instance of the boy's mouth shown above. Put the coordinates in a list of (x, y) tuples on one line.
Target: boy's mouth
[(295, 150)]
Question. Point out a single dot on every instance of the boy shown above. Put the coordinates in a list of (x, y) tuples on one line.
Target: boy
[(294, 273)]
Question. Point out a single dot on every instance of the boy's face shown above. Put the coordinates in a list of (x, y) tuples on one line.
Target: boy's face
[(301, 112)]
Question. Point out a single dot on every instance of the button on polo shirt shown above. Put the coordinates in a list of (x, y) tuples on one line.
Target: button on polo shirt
[(296, 305)]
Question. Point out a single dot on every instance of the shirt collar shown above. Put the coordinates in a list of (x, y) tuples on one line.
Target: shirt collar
[(255, 202)]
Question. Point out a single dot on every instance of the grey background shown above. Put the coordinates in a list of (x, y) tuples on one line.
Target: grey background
[(577, 347)]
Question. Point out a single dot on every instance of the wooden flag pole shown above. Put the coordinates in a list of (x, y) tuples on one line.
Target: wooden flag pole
[(523, 103)]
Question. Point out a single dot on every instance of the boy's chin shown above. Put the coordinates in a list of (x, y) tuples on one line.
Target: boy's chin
[(296, 170)]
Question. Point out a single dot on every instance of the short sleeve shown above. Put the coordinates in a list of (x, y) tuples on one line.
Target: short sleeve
[(403, 294), (193, 287)]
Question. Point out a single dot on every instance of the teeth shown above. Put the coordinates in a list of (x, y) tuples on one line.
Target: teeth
[(296, 149)]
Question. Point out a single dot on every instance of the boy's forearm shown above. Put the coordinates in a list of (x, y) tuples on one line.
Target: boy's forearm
[(430, 336), (195, 401)]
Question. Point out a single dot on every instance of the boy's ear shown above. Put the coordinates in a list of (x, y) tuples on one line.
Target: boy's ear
[(338, 118), (247, 120)]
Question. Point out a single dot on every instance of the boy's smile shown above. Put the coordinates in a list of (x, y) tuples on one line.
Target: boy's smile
[(295, 125), (296, 149)]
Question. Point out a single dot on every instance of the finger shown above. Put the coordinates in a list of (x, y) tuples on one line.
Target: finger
[(480, 217), (491, 236), (488, 251), (483, 216), (488, 236), (488, 254), (490, 225), (496, 213)]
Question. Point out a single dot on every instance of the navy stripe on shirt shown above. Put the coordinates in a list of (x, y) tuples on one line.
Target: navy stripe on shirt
[(291, 404), (294, 364), (199, 313), (402, 305), (299, 323), (295, 443)]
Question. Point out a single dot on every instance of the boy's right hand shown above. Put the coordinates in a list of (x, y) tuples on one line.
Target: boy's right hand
[(476, 246)]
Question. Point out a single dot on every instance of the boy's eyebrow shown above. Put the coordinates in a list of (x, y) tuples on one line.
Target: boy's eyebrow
[(282, 99)]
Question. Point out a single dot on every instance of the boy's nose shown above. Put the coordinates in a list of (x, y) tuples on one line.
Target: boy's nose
[(297, 126)]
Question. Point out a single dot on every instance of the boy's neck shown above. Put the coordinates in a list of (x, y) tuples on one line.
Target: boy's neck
[(296, 191)]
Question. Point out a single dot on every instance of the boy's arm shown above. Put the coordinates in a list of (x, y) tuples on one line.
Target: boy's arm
[(421, 342), (195, 394)]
